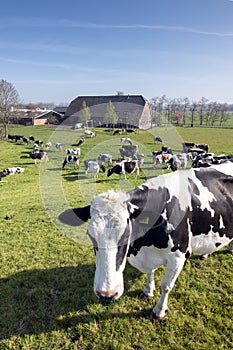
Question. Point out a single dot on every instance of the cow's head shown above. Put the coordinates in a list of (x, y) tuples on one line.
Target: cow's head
[(109, 230)]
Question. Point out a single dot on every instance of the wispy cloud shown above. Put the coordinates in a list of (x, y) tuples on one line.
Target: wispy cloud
[(57, 65), (64, 23)]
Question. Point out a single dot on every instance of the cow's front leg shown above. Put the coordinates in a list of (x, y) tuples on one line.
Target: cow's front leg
[(173, 270), (148, 291)]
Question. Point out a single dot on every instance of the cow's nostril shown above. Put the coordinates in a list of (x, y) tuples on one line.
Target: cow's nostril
[(104, 298)]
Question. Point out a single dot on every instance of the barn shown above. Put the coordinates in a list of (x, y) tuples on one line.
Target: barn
[(132, 110)]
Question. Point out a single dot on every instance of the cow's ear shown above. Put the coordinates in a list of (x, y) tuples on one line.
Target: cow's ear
[(75, 216), (134, 210)]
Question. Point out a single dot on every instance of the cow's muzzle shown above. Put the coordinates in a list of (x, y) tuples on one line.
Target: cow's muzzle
[(106, 297)]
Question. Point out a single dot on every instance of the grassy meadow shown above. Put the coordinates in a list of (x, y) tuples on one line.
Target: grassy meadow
[(47, 270)]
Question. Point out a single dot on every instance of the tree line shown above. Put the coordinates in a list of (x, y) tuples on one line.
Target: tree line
[(182, 111), (178, 111)]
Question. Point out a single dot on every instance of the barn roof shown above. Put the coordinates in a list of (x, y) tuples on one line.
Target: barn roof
[(76, 104)]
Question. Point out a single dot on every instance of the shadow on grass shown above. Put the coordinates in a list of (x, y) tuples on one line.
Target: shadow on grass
[(37, 301)]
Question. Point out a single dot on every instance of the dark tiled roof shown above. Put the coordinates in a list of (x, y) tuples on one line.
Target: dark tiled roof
[(61, 110), (76, 104)]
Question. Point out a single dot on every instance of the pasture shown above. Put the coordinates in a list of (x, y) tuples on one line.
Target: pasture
[(47, 269)]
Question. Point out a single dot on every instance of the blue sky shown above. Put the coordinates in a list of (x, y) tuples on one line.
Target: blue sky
[(54, 51)]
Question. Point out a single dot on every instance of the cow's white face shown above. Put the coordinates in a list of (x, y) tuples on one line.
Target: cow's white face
[(109, 230)]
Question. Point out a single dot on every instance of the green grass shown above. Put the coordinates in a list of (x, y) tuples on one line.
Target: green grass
[(47, 271)]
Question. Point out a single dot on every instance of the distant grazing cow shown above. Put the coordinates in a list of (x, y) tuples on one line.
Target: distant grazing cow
[(126, 140), (94, 167), (161, 222), (124, 167), (13, 170), (58, 146), (178, 161), (160, 159), (31, 138), (140, 158), (2, 175), (166, 149), (90, 133), (158, 139), (39, 155), (75, 151), (48, 146), (39, 143), (117, 132), (11, 137), (128, 150), (187, 145), (81, 141), (105, 158), (71, 160), (203, 146)]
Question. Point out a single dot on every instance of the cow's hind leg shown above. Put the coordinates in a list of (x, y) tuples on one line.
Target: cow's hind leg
[(148, 292), (173, 269)]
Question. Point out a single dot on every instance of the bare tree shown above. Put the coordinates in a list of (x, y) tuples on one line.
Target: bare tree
[(201, 108), (223, 115), (8, 99), (193, 108)]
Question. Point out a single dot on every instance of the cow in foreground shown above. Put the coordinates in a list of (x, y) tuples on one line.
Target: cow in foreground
[(161, 222)]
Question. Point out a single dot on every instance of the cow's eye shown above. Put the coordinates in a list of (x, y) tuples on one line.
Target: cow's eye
[(95, 250)]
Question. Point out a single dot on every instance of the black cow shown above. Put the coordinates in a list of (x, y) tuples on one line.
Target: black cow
[(161, 222)]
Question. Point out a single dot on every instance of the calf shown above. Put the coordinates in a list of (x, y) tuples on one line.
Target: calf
[(124, 167), (69, 160), (161, 222)]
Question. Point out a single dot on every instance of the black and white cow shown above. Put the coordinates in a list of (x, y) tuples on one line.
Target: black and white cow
[(71, 160), (124, 167), (81, 141), (74, 151), (13, 170), (161, 222), (126, 140), (39, 155), (90, 133), (39, 143)]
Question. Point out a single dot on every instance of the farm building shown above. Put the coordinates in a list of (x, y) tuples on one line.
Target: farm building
[(131, 110)]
